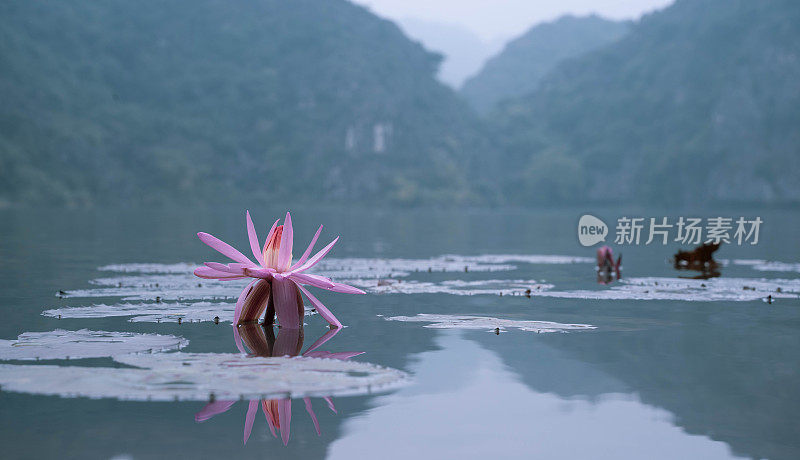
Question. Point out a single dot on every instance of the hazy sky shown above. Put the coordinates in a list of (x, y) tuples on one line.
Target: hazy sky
[(502, 19)]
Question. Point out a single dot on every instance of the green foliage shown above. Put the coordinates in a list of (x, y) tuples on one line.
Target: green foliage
[(553, 177), (185, 100), (699, 102), (182, 100)]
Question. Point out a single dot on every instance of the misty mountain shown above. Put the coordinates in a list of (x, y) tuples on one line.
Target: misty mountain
[(699, 102), (524, 61), (189, 100), (463, 52)]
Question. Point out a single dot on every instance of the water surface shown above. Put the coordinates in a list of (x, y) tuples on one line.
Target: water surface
[(668, 378)]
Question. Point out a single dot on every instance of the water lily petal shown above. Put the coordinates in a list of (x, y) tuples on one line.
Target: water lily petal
[(285, 417), (268, 416), (317, 257), (321, 309), (310, 411), (240, 266), (255, 302), (329, 400), (224, 248), (237, 339), (344, 289), (288, 302), (320, 341), (289, 342), (310, 247), (254, 337), (313, 280), (240, 302), (253, 237), (231, 270), (332, 286), (264, 273), (269, 235), (252, 408), (212, 409), (285, 252), (211, 274), (340, 355)]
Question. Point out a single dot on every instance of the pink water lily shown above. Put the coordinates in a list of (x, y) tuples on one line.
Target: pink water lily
[(606, 264), (277, 286)]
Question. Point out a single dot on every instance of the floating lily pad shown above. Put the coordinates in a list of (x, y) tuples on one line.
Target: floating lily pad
[(453, 287), (350, 268), (769, 266), (176, 282), (383, 268), (715, 289), (201, 376), (61, 344), (353, 267), (184, 286), (165, 312), (181, 267), (534, 259), (488, 324)]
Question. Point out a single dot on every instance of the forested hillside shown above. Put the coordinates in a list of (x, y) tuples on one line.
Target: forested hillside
[(192, 100), (699, 103), (183, 100), (524, 61)]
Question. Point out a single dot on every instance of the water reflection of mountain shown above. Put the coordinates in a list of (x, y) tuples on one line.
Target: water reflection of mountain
[(725, 371)]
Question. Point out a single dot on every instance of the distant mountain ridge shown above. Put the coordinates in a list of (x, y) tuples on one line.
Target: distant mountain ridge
[(699, 103), (189, 100), (518, 69), (319, 100)]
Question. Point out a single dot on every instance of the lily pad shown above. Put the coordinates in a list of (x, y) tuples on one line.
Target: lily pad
[(203, 376), (62, 344), (769, 266), (165, 312), (489, 324), (453, 287), (166, 286), (715, 289)]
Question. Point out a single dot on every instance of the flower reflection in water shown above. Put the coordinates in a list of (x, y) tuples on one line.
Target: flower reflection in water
[(262, 341)]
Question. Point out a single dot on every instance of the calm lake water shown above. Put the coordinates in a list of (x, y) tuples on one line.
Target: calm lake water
[(675, 376)]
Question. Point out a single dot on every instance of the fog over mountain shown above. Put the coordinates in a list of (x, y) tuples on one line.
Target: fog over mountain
[(463, 52), (524, 61)]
